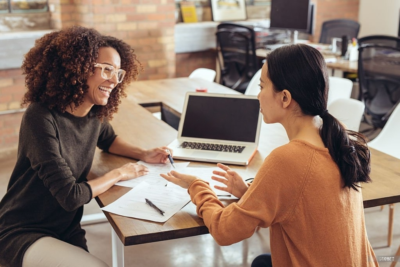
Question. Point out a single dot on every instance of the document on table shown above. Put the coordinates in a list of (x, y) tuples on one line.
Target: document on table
[(169, 199), (330, 59), (153, 177)]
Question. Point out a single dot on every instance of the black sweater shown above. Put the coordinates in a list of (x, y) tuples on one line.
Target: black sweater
[(48, 188)]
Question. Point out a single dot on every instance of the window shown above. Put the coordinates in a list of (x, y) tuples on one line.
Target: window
[(24, 15), (256, 9), (23, 6), (3, 6)]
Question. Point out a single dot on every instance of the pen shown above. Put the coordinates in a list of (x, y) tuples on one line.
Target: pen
[(170, 158), (155, 207)]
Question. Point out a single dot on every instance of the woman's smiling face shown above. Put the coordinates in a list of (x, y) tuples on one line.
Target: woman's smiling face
[(100, 88)]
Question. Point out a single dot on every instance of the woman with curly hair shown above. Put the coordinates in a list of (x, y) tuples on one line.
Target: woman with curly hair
[(75, 79)]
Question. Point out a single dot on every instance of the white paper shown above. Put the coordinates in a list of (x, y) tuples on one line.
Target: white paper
[(330, 60), (169, 199), (153, 177)]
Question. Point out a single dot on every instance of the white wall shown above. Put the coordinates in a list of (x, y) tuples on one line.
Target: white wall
[(379, 17)]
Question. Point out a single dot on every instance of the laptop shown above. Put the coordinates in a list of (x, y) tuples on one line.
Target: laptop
[(221, 128)]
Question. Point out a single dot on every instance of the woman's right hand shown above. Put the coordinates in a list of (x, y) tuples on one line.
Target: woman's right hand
[(132, 170), (234, 183)]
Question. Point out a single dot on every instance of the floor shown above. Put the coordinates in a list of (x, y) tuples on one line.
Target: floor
[(202, 250)]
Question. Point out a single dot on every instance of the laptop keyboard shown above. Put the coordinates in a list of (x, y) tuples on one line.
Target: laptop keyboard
[(213, 147)]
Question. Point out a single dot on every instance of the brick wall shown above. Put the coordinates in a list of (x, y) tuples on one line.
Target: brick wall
[(333, 9), (147, 25), (188, 62), (11, 89), (11, 92)]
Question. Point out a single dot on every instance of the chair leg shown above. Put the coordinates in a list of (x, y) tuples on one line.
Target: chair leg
[(396, 258), (390, 226), (382, 207)]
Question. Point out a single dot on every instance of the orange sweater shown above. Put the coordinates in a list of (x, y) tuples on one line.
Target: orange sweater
[(298, 192)]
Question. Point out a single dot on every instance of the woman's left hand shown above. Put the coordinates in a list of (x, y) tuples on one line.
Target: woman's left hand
[(234, 184), (183, 180), (156, 155)]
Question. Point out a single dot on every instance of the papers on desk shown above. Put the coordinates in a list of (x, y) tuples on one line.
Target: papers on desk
[(169, 198), (153, 177), (330, 59), (320, 47)]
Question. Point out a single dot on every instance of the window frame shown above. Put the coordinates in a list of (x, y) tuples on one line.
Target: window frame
[(22, 11)]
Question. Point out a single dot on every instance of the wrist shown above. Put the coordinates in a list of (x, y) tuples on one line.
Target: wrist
[(118, 174), (141, 154), (192, 182)]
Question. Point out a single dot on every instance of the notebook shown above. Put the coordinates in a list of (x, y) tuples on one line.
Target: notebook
[(221, 128)]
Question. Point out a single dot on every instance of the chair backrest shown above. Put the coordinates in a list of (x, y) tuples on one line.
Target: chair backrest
[(379, 80), (337, 28), (382, 40), (339, 88), (348, 111), (205, 74), (387, 140), (253, 88), (236, 45)]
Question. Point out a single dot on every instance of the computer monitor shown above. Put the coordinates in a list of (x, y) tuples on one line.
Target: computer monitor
[(311, 20), (399, 25), (291, 15)]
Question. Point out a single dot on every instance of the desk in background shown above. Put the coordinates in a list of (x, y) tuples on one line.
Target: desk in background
[(339, 64), (138, 126)]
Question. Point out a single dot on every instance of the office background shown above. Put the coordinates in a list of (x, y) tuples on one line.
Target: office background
[(150, 27)]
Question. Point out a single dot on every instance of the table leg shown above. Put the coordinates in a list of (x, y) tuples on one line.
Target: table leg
[(117, 250), (93, 218)]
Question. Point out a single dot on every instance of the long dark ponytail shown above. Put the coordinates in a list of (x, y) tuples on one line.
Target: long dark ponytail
[(301, 69)]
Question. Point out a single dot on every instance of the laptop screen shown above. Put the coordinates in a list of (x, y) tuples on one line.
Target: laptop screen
[(221, 118)]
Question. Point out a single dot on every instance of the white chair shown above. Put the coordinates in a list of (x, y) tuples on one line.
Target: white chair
[(205, 74), (348, 111), (253, 88), (387, 142), (339, 88)]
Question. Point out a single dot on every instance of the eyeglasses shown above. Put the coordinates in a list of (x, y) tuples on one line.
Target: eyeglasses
[(107, 72)]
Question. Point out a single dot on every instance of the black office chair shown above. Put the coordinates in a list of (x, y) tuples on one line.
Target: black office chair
[(379, 79), (237, 55), (337, 28), (382, 40)]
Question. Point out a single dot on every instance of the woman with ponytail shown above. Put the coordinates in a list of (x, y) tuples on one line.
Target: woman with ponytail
[(307, 191)]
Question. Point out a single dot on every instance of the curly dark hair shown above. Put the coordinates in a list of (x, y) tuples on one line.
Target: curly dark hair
[(58, 66)]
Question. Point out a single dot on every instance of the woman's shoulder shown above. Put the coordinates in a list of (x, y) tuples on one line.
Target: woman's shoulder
[(298, 145), (37, 113), (296, 150), (37, 109)]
